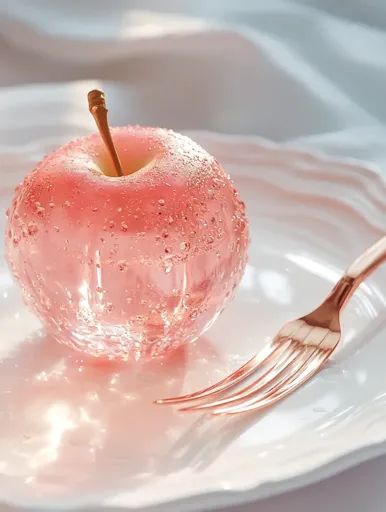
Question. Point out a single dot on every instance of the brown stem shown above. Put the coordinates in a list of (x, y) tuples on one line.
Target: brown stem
[(97, 107)]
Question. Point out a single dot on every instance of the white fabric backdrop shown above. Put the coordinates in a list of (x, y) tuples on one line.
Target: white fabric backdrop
[(310, 73)]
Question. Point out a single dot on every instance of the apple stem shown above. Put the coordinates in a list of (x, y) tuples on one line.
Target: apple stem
[(97, 107)]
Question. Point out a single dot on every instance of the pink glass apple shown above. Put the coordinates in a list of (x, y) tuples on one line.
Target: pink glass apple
[(127, 266)]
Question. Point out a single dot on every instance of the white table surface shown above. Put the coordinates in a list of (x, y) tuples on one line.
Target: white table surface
[(310, 73)]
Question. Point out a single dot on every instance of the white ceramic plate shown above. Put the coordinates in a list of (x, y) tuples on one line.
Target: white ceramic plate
[(76, 434)]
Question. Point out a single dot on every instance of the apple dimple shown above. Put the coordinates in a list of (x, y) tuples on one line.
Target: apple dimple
[(134, 265), (137, 152)]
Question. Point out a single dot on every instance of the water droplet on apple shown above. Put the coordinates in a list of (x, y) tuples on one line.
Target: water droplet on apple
[(57, 229), (124, 226), (122, 265), (184, 246), (167, 265), (193, 314), (94, 209), (51, 205), (161, 202), (67, 204), (32, 228), (241, 225), (109, 306), (217, 183), (165, 234), (39, 208), (210, 239)]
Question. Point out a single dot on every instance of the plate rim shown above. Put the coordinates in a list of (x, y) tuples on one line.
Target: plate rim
[(334, 463)]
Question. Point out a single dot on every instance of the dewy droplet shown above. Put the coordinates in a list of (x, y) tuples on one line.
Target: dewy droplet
[(184, 246), (32, 228), (39, 208), (122, 265), (167, 265)]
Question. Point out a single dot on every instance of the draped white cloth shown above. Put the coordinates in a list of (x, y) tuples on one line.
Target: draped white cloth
[(306, 72), (310, 72)]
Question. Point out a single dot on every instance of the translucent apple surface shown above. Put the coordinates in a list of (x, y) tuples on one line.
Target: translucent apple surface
[(134, 266)]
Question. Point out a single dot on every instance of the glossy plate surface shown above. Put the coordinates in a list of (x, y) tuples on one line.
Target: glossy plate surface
[(76, 433)]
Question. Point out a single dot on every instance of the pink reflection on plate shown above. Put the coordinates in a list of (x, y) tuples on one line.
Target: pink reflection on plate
[(75, 428)]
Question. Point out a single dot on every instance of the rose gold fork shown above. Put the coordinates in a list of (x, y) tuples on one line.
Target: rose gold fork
[(297, 352)]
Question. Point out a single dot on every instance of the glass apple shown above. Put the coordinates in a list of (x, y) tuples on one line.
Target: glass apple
[(131, 266)]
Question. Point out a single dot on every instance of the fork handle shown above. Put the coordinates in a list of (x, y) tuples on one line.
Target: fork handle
[(362, 267), (367, 262)]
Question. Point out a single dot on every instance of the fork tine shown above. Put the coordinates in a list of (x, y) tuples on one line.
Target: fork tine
[(267, 380), (263, 357), (302, 375), (277, 384), (251, 366)]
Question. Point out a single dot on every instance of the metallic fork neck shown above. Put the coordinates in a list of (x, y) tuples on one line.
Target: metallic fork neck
[(342, 291)]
